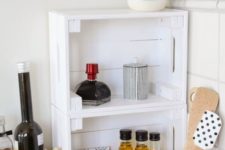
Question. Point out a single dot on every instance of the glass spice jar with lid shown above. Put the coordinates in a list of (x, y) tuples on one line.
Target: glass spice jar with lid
[(154, 138), (141, 139), (125, 137)]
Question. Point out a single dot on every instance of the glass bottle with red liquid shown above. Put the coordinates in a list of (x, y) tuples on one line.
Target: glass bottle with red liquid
[(93, 92)]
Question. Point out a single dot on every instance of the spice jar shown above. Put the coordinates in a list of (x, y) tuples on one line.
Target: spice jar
[(141, 138), (125, 137), (154, 138)]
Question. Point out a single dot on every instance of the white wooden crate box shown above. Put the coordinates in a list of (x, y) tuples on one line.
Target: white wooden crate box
[(113, 38)]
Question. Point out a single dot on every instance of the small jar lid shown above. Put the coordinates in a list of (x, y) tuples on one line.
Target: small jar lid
[(154, 136), (125, 134), (141, 135)]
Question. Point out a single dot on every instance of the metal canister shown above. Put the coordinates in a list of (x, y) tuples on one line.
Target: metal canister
[(135, 81)]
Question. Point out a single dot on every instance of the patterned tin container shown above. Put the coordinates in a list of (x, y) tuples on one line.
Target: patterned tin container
[(135, 81)]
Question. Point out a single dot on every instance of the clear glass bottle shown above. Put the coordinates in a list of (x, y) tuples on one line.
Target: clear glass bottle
[(93, 92), (125, 137), (5, 140), (141, 139), (154, 138)]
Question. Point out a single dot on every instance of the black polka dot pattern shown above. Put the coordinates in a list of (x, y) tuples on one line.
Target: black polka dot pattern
[(207, 130)]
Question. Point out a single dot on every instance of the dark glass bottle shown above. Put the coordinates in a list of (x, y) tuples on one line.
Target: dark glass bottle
[(125, 137), (141, 138), (28, 134), (91, 91)]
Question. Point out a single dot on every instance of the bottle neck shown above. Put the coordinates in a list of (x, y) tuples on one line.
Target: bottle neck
[(125, 141), (2, 128), (91, 77), (25, 97)]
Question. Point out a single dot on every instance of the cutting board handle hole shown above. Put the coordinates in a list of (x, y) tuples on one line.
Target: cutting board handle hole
[(192, 96)]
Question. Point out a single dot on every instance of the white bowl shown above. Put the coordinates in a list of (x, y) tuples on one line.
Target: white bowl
[(147, 5)]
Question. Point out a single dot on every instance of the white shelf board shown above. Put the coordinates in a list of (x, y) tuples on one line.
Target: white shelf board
[(93, 14), (120, 106), (115, 68)]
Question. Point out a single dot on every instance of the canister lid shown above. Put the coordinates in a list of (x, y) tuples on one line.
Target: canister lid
[(135, 65)]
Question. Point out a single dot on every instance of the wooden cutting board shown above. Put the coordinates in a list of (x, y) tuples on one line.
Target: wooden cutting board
[(200, 100)]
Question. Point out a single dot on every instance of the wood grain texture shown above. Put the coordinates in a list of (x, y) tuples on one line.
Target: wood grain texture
[(204, 99)]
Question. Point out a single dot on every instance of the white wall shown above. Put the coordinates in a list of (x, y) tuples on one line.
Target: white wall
[(24, 36), (207, 48)]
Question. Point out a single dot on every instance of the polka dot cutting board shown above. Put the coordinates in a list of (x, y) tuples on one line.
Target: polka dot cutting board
[(207, 130)]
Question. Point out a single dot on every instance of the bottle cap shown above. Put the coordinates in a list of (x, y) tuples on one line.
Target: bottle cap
[(125, 134), (154, 136), (92, 70), (23, 67), (141, 135)]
